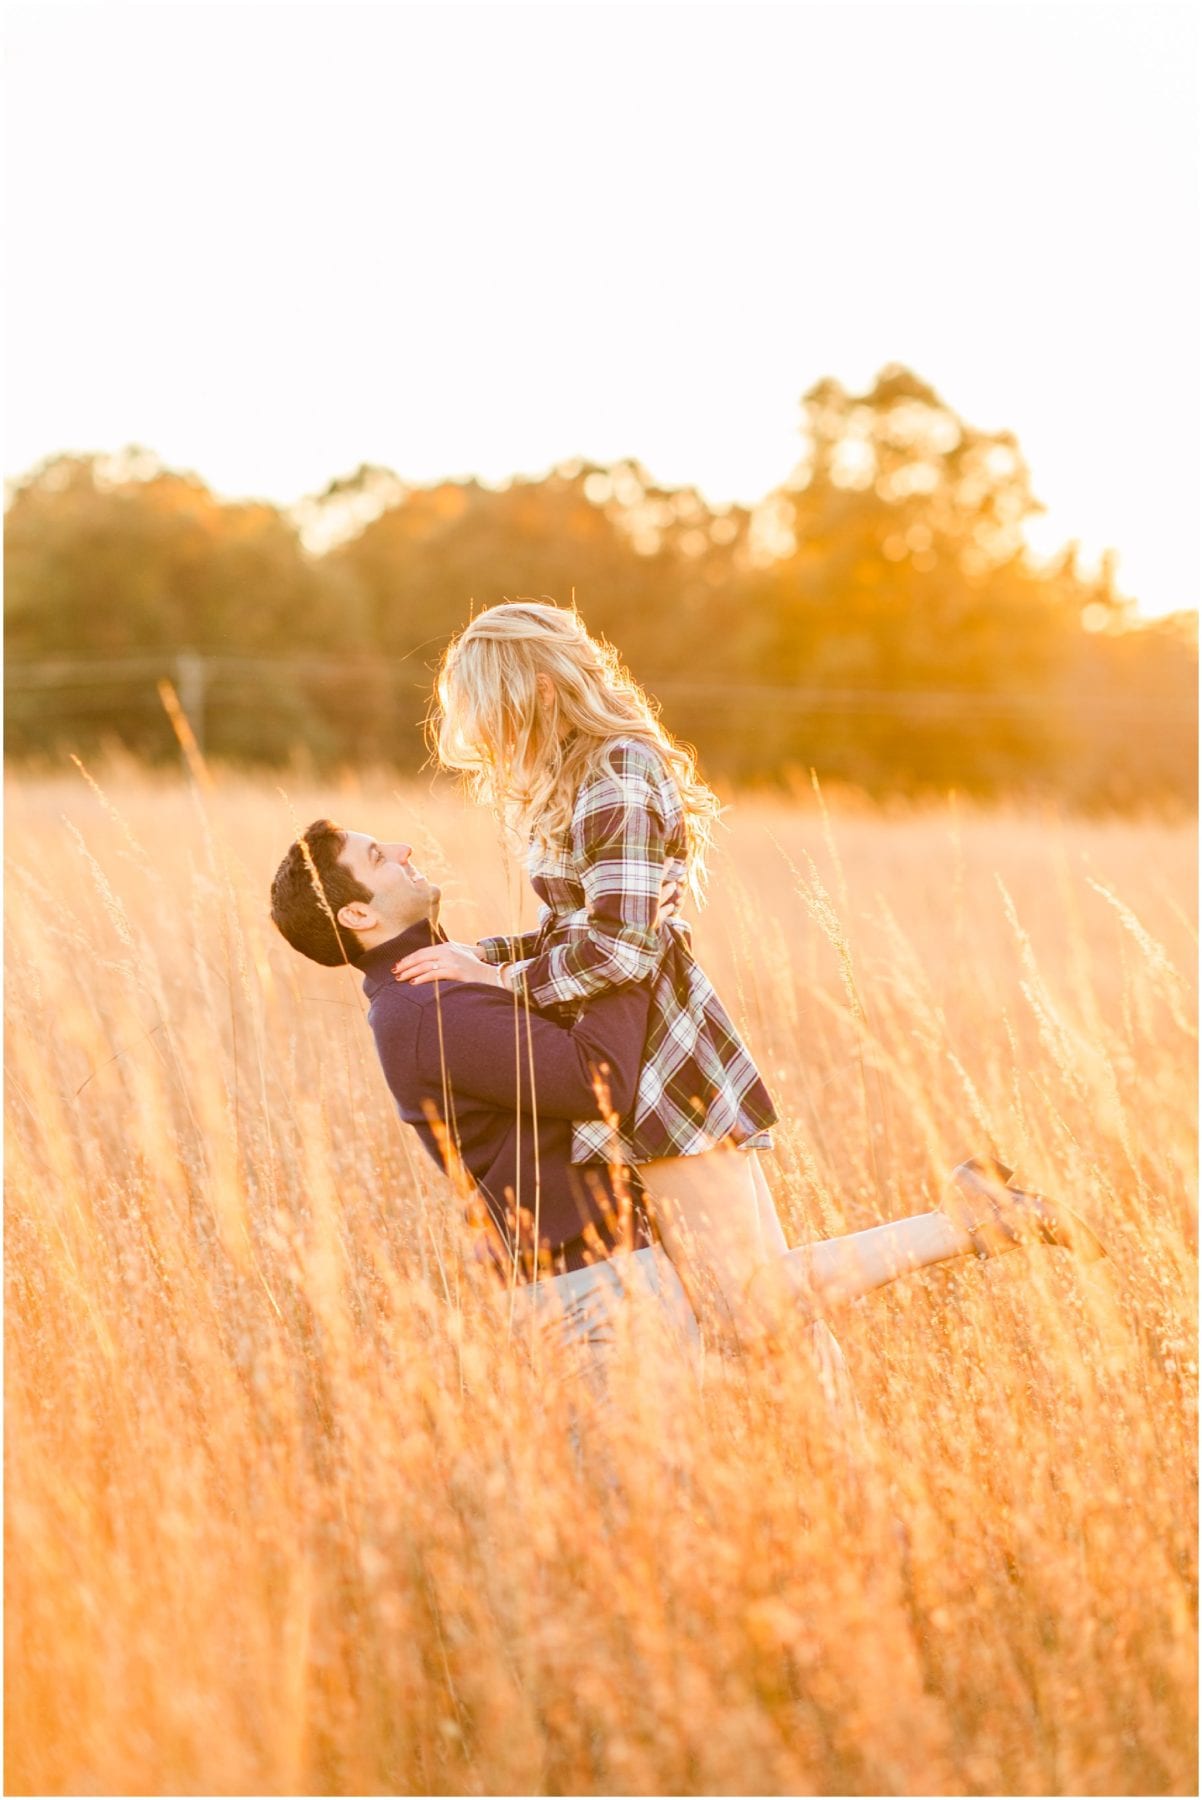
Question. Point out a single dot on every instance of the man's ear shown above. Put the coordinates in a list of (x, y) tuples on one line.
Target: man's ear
[(357, 915)]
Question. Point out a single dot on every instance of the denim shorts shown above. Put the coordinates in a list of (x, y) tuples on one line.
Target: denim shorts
[(575, 1317)]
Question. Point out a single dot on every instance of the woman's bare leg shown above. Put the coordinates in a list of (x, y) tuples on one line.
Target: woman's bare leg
[(715, 1230), (840, 1269), (720, 1227)]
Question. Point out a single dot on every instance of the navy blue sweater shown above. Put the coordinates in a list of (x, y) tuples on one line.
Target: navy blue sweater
[(506, 1083)]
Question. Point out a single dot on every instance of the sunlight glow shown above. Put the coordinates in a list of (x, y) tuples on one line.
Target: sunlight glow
[(483, 239)]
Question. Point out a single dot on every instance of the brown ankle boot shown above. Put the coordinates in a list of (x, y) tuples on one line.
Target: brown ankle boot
[(997, 1216)]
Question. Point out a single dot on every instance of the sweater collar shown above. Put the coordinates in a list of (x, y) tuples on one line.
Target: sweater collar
[(375, 964)]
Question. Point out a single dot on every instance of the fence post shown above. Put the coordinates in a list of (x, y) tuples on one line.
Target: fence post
[(191, 680)]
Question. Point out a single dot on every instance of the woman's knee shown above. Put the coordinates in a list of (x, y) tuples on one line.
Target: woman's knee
[(778, 1293)]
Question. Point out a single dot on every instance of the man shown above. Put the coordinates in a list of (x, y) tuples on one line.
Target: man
[(491, 1086)]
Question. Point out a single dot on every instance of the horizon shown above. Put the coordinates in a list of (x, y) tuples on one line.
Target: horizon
[(312, 540)]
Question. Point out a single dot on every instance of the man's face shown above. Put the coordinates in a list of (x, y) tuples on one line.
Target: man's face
[(400, 894)]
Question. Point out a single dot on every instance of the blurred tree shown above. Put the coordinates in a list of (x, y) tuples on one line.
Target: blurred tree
[(644, 563), (894, 562), (112, 554), (878, 617), (1129, 697), (111, 557)]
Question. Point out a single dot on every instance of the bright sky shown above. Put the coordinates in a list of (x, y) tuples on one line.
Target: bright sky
[(272, 242)]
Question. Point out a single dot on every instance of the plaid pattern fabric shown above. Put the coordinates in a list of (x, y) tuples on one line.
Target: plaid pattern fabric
[(597, 929)]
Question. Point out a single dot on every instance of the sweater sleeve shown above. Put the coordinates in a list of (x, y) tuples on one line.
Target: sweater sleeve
[(618, 837), (489, 1047)]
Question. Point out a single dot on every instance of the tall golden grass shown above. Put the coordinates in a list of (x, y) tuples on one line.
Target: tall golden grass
[(289, 1513)]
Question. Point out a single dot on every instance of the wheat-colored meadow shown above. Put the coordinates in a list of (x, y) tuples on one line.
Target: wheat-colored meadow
[(287, 1512)]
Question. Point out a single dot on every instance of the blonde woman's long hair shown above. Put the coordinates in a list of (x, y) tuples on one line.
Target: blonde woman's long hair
[(488, 724)]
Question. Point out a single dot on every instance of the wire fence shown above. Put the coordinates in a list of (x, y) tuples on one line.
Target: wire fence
[(58, 690)]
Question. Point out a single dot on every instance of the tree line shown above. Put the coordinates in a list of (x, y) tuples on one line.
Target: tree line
[(877, 618)]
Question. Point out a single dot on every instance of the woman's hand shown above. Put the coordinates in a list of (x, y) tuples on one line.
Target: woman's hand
[(446, 962), (463, 962)]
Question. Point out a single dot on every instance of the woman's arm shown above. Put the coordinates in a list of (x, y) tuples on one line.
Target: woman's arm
[(464, 962), (619, 841), (508, 949)]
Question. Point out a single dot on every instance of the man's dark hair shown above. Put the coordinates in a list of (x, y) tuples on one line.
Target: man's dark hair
[(296, 906)]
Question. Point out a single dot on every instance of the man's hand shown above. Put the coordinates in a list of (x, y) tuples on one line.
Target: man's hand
[(671, 892), (446, 962)]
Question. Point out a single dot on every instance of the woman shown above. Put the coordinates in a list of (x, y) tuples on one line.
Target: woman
[(552, 732)]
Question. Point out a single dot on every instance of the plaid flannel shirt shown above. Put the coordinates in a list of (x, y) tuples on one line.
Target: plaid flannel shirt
[(598, 929)]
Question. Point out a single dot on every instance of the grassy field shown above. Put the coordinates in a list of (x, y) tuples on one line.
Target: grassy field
[(287, 1512)]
